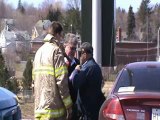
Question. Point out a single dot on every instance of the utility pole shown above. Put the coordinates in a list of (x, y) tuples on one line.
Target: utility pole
[(158, 58), (147, 32), (71, 28)]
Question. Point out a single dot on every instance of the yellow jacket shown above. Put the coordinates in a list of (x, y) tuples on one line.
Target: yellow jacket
[(52, 97)]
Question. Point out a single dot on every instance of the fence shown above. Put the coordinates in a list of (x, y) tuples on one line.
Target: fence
[(26, 96)]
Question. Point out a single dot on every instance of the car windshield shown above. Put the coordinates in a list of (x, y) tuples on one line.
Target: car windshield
[(147, 79)]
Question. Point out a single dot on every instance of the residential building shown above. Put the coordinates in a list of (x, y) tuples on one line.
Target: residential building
[(40, 28), (129, 51), (14, 44)]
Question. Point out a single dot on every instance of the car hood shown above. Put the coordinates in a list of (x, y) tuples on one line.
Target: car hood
[(7, 99)]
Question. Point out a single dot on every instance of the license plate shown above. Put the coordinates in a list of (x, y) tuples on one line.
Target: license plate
[(155, 114)]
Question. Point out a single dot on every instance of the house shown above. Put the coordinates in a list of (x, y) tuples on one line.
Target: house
[(13, 44), (40, 28), (38, 34), (129, 51), (22, 45), (36, 43), (9, 22), (133, 50)]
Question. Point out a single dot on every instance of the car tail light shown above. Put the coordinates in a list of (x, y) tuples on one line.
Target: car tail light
[(113, 110)]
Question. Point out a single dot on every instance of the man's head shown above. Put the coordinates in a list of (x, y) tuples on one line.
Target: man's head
[(70, 44), (86, 52), (56, 30)]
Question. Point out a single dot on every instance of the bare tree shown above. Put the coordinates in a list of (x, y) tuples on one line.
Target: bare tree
[(121, 19), (6, 10), (74, 4), (46, 4), (2, 9)]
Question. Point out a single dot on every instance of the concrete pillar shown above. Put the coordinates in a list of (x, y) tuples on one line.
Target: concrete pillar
[(96, 30)]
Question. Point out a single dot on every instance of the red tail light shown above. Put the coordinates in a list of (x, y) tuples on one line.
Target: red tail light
[(113, 110)]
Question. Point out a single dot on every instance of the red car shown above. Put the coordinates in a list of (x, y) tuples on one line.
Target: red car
[(135, 94)]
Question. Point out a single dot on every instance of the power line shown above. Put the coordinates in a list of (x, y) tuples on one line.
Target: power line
[(135, 55), (134, 49)]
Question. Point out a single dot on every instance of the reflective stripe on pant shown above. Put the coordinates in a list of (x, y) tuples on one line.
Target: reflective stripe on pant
[(67, 101), (48, 113)]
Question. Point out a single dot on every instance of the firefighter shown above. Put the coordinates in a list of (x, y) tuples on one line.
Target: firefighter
[(52, 98)]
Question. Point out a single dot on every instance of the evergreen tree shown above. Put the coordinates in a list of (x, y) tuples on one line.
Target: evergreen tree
[(50, 15), (20, 7), (53, 15), (27, 81), (72, 20), (4, 74), (12, 85), (130, 23), (22, 10)]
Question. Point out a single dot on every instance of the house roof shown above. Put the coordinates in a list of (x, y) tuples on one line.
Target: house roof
[(24, 34), (39, 38), (8, 21), (16, 35), (42, 25), (9, 36)]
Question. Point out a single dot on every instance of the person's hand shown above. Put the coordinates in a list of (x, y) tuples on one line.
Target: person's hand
[(78, 67), (69, 113)]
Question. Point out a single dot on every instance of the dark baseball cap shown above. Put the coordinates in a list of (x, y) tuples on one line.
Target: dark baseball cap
[(86, 47)]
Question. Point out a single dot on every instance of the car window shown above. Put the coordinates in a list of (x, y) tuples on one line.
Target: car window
[(141, 79)]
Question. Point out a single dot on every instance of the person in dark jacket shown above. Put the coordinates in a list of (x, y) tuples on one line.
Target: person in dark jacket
[(70, 46), (87, 80)]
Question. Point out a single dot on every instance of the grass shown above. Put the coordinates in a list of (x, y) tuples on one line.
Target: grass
[(27, 110)]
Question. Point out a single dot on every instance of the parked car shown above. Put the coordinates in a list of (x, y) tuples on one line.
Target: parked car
[(9, 108), (135, 94)]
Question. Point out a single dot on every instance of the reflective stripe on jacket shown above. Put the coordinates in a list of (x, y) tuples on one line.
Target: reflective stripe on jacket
[(50, 82), (50, 70), (49, 113)]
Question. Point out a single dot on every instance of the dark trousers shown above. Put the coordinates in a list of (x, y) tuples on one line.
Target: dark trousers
[(84, 117), (75, 113)]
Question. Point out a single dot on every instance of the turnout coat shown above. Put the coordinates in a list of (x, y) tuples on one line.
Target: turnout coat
[(50, 75)]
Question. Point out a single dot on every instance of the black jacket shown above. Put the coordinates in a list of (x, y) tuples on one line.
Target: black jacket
[(71, 67), (88, 83)]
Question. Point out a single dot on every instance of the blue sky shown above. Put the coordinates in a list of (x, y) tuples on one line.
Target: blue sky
[(134, 3), (36, 3), (15, 2), (119, 3)]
